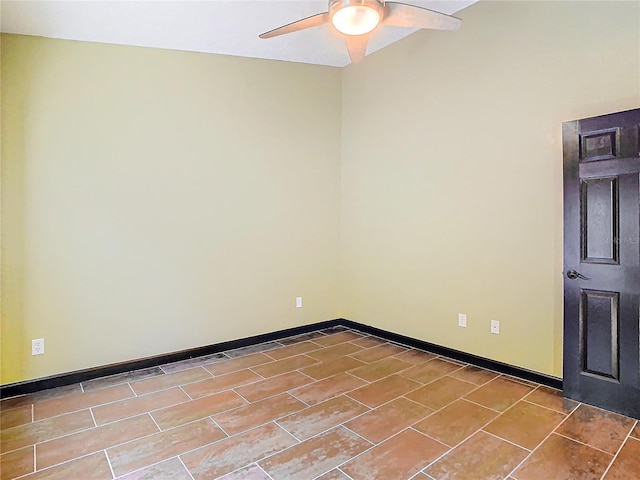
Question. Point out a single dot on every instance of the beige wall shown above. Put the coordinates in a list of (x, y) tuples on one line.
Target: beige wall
[(452, 171), (156, 200), (159, 200)]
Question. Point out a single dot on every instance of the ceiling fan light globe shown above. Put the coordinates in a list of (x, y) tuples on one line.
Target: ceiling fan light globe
[(355, 19)]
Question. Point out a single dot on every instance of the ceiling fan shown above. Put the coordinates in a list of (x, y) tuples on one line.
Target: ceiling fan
[(356, 19)]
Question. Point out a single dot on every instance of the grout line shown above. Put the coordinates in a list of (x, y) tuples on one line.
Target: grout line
[(220, 426), (484, 406), (132, 390), (358, 435), (506, 440), (95, 424), (113, 474), (262, 377), (582, 443), (185, 392), (548, 408), (344, 473), (512, 472), (155, 423), (290, 433), (264, 471), (185, 467), (617, 453)]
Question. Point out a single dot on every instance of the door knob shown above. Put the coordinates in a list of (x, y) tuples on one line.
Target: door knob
[(572, 274)]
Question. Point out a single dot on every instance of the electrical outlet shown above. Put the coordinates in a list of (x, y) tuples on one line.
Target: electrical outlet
[(37, 346), (495, 327), (298, 302), (462, 320)]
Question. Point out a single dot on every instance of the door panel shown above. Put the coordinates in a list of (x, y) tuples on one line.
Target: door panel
[(602, 261)]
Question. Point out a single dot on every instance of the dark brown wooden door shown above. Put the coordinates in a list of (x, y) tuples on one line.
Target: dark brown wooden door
[(602, 261)]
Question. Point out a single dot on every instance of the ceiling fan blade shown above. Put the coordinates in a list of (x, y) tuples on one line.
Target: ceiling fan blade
[(357, 46), (309, 22), (402, 15)]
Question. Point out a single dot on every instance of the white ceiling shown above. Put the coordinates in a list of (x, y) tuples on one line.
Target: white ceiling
[(229, 27)]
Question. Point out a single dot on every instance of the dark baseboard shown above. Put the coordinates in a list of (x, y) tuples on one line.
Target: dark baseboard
[(31, 386), (482, 362), (45, 383)]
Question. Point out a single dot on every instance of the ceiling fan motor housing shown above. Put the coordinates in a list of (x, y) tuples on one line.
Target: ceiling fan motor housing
[(339, 7)]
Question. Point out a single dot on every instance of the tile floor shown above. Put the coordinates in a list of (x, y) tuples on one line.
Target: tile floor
[(333, 404)]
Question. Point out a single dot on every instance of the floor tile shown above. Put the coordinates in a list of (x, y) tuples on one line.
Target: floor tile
[(236, 364), (93, 467), (137, 405), (480, 457), (551, 398), (478, 376), (331, 353), (300, 338), (16, 463), (332, 367), (333, 475), (162, 446), (328, 388), (273, 386), (453, 424), (378, 353), (196, 409), (335, 338), (315, 456), (194, 362), (368, 342), (119, 379), (382, 391), (562, 458), (23, 435), (389, 419), (293, 350), (252, 472), (169, 380), (429, 371), (258, 413), (221, 383), (16, 416), (77, 445), (626, 466), (283, 366), (40, 396), (525, 424), (499, 394), (80, 401), (261, 347), (415, 356), (172, 469), (321, 417), (380, 369), (312, 390), (232, 453), (398, 457), (441, 392), (587, 424)]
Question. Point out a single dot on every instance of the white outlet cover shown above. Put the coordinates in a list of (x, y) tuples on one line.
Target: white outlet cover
[(298, 302), (495, 327), (462, 320), (37, 346)]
